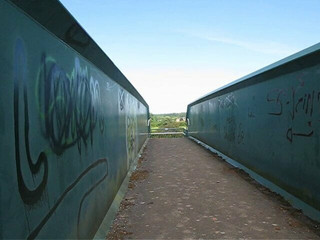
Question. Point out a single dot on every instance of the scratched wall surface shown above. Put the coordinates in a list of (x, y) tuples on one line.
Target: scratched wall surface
[(68, 133), (269, 122)]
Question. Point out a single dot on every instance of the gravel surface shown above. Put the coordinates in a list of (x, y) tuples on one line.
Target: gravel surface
[(182, 191)]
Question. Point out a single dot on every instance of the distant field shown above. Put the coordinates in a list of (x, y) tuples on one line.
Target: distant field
[(169, 120)]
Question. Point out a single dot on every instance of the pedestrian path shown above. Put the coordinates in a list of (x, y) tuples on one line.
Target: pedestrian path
[(182, 191)]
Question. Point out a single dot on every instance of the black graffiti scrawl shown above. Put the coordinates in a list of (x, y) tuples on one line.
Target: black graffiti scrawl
[(20, 97), (299, 104), (69, 106)]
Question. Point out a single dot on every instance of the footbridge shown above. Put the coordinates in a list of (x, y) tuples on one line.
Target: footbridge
[(78, 160)]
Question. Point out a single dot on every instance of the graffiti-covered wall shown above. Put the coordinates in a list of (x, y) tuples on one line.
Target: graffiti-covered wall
[(269, 122), (68, 130)]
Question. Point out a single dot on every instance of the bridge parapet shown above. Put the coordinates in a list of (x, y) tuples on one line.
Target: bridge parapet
[(71, 124), (268, 123)]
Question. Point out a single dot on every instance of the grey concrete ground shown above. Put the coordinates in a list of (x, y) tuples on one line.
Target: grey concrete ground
[(182, 191)]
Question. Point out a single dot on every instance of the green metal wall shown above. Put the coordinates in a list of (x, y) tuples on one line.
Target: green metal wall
[(70, 125), (269, 123)]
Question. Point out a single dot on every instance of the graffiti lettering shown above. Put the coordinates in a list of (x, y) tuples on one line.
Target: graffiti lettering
[(240, 135), (227, 101), (275, 97), (72, 36), (299, 105), (121, 99), (37, 229), (70, 105), (28, 196), (131, 130)]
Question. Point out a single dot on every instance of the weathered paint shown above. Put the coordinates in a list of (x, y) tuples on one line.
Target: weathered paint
[(269, 122), (69, 128)]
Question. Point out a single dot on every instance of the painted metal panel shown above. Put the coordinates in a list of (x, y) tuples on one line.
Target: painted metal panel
[(269, 122), (68, 132), (52, 15)]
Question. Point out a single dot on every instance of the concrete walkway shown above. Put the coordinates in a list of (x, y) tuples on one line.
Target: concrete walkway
[(182, 191)]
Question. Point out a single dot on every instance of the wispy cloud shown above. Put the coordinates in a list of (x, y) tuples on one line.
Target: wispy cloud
[(265, 47)]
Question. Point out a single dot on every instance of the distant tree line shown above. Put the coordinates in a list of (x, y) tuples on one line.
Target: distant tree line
[(168, 120)]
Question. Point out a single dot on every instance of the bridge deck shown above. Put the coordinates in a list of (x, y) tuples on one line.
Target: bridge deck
[(180, 190)]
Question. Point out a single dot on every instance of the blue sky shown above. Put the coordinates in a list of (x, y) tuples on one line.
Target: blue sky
[(175, 51)]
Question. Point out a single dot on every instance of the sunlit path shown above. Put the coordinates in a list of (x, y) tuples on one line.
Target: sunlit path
[(183, 191)]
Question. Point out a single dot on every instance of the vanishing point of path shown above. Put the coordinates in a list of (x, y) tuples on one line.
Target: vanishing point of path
[(182, 191)]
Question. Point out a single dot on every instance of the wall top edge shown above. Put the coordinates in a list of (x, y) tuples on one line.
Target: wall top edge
[(296, 56), (55, 18)]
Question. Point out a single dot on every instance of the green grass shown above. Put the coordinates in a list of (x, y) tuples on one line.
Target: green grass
[(167, 120), (162, 121)]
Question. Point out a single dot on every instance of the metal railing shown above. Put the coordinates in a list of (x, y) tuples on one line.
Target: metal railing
[(166, 132)]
